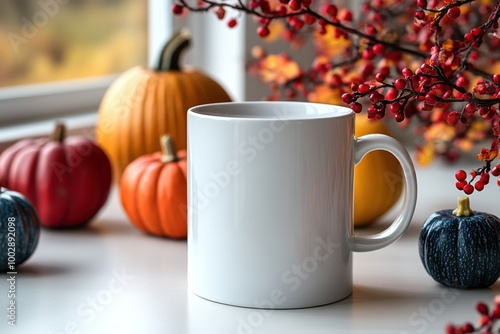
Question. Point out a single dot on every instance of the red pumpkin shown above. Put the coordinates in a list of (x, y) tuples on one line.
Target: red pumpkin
[(66, 179), (153, 191)]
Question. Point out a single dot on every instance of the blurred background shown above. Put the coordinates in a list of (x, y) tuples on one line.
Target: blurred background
[(50, 40), (58, 57)]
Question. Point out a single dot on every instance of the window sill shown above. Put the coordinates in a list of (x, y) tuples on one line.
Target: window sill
[(80, 124)]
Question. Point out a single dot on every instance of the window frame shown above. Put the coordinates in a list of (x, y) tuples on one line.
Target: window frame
[(66, 98)]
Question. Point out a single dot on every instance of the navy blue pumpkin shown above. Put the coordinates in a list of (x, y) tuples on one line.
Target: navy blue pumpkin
[(18, 220), (461, 248)]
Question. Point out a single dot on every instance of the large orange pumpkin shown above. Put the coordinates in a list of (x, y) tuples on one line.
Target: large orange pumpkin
[(153, 192), (143, 104), (378, 178)]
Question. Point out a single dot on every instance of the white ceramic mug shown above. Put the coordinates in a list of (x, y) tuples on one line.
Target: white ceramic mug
[(270, 202)]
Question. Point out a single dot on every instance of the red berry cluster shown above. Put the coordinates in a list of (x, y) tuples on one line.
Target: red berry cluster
[(432, 61), (487, 320), (483, 175)]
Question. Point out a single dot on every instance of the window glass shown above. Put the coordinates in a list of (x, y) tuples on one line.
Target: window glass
[(53, 40)]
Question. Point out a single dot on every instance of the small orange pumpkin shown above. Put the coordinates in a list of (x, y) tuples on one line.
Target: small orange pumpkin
[(153, 191), (143, 104)]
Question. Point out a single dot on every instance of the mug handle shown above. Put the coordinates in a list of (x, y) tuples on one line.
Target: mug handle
[(364, 145)]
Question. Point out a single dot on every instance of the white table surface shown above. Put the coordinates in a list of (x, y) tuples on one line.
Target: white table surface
[(70, 284)]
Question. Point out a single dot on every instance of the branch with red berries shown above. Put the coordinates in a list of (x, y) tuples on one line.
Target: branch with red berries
[(434, 62), (488, 320)]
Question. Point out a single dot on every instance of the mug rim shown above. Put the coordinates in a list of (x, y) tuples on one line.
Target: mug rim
[(337, 112)]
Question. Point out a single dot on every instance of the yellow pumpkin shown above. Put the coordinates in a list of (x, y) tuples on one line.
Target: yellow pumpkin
[(378, 178), (143, 104)]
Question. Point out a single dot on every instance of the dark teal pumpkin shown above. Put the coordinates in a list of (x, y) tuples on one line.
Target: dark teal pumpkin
[(18, 220), (461, 248)]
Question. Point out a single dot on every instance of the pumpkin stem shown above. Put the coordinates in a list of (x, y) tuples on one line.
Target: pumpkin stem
[(463, 209), (169, 58), (59, 133), (168, 149)]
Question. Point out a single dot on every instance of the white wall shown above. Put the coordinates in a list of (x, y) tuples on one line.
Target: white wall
[(217, 50), (223, 53)]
